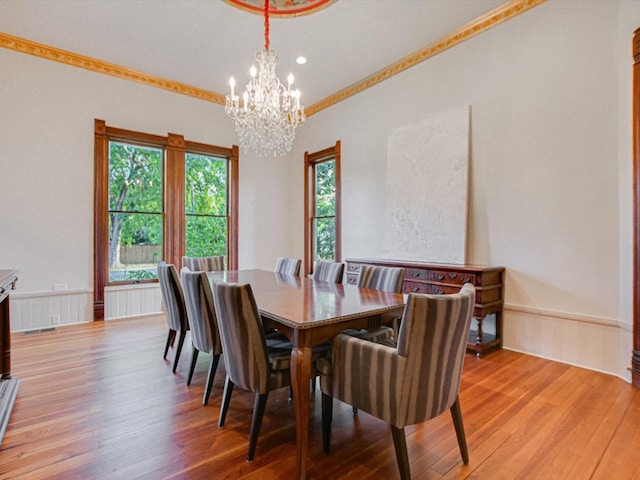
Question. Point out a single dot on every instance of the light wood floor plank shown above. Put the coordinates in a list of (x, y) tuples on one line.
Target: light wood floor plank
[(97, 401)]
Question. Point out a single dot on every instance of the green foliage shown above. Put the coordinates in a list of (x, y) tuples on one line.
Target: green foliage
[(135, 205), (325, 225), (206, 205)]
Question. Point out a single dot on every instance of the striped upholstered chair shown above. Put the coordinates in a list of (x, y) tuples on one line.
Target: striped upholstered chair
[(288, 266), (387, 279), (175, 308), (426, 365), (250, 363), (203, 324), (204, 264), (325, 271)]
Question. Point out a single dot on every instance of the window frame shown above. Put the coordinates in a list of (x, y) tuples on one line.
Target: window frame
[(311, 160), (173, 224)]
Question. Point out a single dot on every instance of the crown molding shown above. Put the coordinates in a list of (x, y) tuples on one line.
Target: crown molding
[(485, 22), (69, 58), (495, 17)]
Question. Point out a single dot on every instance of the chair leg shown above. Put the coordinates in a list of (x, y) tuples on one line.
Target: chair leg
[(256, 423), (402, 457), (327, 418), (228, 390), (183, 334), (456, 414), (194, 360), (213, 366), (172, 335)]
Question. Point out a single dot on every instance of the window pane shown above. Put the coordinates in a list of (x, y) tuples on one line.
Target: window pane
[(206, 236), (135, 246), (135, 211), (325, 238), (135, 178), (325, 189), (205, 185)]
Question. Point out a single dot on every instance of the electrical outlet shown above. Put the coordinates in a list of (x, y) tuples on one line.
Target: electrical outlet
[(55, 319)]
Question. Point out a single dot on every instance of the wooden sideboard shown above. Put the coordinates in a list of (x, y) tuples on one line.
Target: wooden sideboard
[(8, 385), (441, 278)]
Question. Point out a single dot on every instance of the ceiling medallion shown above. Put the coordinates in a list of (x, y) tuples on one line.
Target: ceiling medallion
[(282, 8)]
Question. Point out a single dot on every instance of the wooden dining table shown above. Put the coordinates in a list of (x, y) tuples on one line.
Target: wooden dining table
[(309, 313)]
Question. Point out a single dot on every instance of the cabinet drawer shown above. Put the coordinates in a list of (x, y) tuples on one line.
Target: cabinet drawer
[(353, 267), (411, 287), (416, 274), (459, 278)]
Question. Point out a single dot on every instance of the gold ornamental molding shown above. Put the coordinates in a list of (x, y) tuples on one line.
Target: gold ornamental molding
[(485, 22), (495, 17), (69, 58)]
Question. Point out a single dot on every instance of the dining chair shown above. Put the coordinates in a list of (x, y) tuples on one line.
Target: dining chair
[(326, 271), (387, 279), (204, 264), (289, 266), (175, 309), (250, 364), (203, 324), (426, 364)]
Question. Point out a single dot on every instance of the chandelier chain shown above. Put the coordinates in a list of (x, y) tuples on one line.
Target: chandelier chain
[(266, 24)]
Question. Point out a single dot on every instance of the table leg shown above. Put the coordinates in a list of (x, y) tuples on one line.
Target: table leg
[(301, 377)]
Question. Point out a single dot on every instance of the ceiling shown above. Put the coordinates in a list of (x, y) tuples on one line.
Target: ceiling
[(202, 43)]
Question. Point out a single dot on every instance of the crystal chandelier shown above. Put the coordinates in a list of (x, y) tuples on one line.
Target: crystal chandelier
[(268, 114)]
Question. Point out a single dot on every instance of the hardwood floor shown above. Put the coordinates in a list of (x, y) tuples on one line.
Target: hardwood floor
[(97, 401)]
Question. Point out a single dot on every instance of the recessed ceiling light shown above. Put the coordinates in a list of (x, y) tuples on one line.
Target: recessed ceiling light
[(301, 60)]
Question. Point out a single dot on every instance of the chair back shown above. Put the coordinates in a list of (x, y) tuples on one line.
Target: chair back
[(289, 266), (204, 264), (201, 313), (173, 296), (243, 339), (328, 271), (388, 279), (433, 338)]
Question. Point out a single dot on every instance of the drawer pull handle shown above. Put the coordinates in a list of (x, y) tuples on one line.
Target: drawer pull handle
[(415, 289), (415, 274), (439, 276), (466, 279), (438, 291), (453, 275)]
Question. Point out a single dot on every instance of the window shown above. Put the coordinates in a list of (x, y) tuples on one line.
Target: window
[(206, 205), (322, 206), (159, 198), (135, 211)]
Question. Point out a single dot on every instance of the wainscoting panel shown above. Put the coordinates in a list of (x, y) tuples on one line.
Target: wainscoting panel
[(38, 310), (598, 344), (132, 300)]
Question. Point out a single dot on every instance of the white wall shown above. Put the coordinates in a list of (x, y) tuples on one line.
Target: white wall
[(550, 95), (46, 183), (550, 193)]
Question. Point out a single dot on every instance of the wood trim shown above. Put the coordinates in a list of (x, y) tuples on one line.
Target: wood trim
[(234, 184), (69, 58), (338, 202), (101, 217), (635, 360), (481, 24), (308, 171), (491, 19), (174, 219)]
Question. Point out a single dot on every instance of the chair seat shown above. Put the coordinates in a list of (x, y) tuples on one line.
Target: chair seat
[(279, 351)]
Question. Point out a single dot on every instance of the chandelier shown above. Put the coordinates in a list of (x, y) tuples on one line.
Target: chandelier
[(268, 114)]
